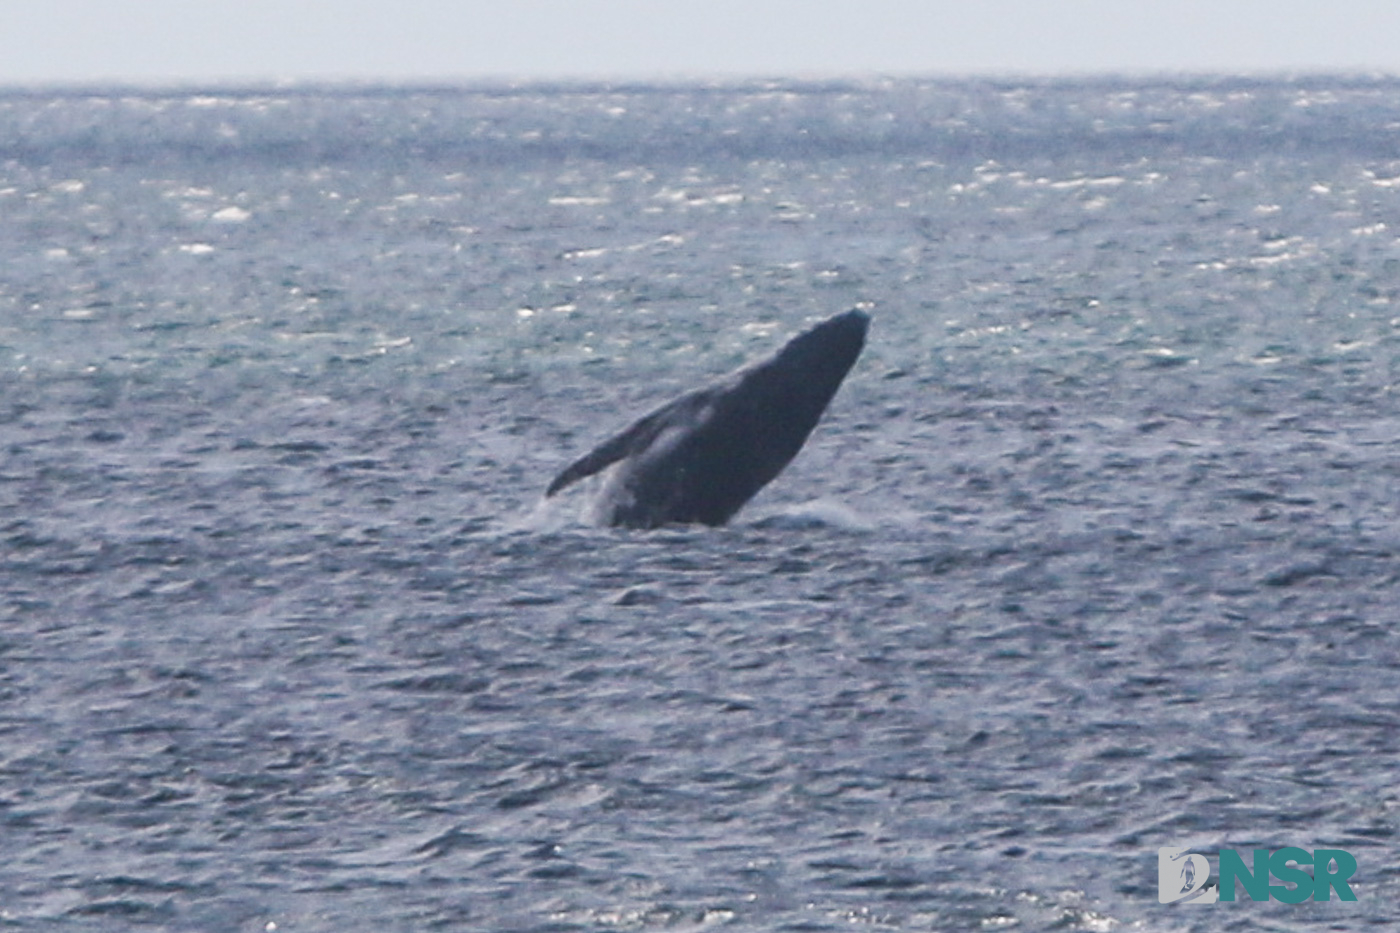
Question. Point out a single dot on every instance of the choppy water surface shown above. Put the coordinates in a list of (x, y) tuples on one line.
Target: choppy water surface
[(1095, 552)]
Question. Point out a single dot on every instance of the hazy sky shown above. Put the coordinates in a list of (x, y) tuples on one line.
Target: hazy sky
[(194, 40)]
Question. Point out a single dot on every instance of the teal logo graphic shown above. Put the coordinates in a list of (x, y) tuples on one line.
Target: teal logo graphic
[(1185, 878)]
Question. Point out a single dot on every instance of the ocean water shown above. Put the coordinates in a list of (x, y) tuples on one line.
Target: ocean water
[(1096, 551)]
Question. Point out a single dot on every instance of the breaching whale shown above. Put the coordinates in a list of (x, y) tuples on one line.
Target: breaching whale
[(701, 457)]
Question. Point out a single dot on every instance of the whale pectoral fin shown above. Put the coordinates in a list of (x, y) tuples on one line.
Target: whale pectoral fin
[(635, 438), (600, 457)]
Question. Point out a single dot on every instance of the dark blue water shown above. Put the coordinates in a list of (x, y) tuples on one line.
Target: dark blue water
[(1097, 550)]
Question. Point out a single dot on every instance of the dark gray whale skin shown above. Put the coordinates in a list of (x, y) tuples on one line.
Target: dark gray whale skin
[(702, 456)]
